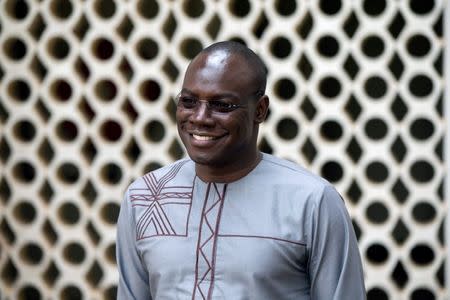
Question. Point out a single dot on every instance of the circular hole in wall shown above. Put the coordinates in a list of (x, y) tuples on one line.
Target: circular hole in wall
[(61, 8), (68, 173), (148, 9), (61, 90), (376, 128), (422, 171), (69, 213), (150, 90), (377, 253), (111, 173), (24, 172), (374, 7), (332, 171), (424, 212), (239, 8), (25, 212), (421, 129), (280, 47), (110, 292), (147, 48), (110, 212), (24, 130), (193, 8), (71, 292), (418, 45), (377, 293), (29, 292), (377, 172), (422, 294), (285, 88), (287, 128), (67, 130), (17, 9), (19, 90), (377, 212), (151, 166), (285, 7), (328, 46), (111, 130), (421, 7), (103, 48), (106, 90), (110, 253), (58, 47), (74, 253), (154, 131), (422, 254), (330, 7), (421, 86), (14, 48), (31, 253), (372, 46), (330, 87), (190, 47), (375, 87), (331, 130), (105, 8)]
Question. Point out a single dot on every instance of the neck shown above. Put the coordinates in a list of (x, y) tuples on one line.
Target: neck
[(226, 174)]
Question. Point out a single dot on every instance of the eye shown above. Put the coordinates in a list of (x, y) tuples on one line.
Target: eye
[(187, 102), (220, 106)]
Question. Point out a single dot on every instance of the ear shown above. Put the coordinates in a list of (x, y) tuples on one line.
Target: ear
[(262, 107)]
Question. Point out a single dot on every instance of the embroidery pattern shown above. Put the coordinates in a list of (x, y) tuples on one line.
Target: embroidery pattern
[(160, 201), (206, 247)]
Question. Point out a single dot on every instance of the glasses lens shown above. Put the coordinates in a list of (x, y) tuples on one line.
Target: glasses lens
[(191, 103), (186, 102), (220, 106)]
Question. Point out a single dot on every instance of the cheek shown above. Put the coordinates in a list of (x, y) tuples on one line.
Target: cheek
[(180, 118), (243, 124), (178, 115)]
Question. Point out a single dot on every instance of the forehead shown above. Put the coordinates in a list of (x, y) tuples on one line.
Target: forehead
[(219, 71)]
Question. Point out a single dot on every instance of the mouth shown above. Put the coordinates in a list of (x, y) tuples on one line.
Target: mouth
[(203, 137), (200, 139)]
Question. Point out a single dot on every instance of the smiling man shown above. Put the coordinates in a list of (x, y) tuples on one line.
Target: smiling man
[(230, 222)]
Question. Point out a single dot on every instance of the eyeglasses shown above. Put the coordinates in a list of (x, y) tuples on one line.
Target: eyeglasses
[(217, 106)]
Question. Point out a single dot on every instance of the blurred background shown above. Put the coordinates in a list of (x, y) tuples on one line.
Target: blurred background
[(86, 106)]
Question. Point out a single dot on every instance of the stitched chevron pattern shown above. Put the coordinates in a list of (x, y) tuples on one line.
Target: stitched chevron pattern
[(209, 226), (159, 200)]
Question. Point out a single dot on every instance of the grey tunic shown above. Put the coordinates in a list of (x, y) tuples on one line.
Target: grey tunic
[(278, 233)]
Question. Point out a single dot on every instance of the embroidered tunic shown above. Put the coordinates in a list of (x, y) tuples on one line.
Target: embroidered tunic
[(278, 233)]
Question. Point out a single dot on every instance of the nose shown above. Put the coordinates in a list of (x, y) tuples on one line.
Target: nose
[(201, 114)]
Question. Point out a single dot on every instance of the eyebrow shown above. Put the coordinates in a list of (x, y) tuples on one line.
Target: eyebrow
[(217, 96)]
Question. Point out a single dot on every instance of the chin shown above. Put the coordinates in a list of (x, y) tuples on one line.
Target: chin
[(207, 160)]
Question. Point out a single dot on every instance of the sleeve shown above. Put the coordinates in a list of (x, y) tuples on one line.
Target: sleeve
[(133, 276), (335, 268)]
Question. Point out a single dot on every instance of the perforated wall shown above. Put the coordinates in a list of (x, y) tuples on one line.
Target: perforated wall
[(86, 90)]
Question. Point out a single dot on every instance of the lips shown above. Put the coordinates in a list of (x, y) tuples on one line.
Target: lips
[(203, 137)]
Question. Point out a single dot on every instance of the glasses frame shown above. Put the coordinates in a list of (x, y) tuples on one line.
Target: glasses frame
[(230, 107)]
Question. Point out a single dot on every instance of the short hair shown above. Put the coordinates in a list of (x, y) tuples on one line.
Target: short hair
[(252, 59)]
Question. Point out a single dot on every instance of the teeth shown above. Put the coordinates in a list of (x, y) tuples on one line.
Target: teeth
[(203, 137)]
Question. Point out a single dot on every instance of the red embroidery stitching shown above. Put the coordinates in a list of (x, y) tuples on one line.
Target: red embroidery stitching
[(158, 200), (207, 241)]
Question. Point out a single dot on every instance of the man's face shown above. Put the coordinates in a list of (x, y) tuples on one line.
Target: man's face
[(216, 138)]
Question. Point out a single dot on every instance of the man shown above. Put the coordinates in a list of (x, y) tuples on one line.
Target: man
[(231, 222)]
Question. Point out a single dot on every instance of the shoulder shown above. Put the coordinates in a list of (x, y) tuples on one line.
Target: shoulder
[(183, 168), (284, 171), (284, 175)]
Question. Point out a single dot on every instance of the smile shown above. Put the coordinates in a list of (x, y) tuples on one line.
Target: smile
[(203, 137)]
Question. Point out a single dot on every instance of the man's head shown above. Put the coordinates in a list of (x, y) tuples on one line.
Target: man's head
[(256, 67), (231, 76)]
